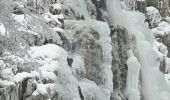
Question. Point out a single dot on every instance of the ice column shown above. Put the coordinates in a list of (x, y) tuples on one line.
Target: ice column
[(133, 77)]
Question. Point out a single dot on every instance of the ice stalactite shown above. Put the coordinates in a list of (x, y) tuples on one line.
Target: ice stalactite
[(133, 77)]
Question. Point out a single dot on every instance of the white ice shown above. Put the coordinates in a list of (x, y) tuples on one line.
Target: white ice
[(2, 29), (133, 77)]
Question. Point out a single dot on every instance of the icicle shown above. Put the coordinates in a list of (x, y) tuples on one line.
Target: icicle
[(133, 77)]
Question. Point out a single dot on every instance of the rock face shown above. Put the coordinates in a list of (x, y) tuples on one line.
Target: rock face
[(122, 41), (91, 41)]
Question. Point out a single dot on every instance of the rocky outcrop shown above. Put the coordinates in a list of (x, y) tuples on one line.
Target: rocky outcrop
[(101, 9)]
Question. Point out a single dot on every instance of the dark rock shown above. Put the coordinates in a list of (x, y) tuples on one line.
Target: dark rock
[(54, 11), (69, 61), (141, 6), (80, 93), (18, 11)]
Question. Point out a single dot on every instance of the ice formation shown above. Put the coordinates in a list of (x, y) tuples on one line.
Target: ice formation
[(2, 29), (61, 50), (133, 77), (149, 67)]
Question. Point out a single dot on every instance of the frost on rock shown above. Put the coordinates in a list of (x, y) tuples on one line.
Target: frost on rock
[(75, 9), (162, 52), (91, 91), (162, 35), (92, 42)]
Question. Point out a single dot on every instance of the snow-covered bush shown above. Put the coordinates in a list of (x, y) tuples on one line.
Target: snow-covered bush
[(153, 16)]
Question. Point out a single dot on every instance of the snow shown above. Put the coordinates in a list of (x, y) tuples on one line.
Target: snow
[(26, 23), (160, 49), (42, 89), (57, 29), (2, 65), (49, 17), (2, 29), (7, 74), (47, 75), (56, 6), (153, 15), (53, 60), (20, 19), (5, 83), (19, 77), (162, 29), (48, 51)]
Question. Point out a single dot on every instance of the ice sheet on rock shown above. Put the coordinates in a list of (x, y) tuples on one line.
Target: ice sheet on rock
[(167, 78), (104, 41), (91, 91), (132, 86), (2, 29), (78, 67)]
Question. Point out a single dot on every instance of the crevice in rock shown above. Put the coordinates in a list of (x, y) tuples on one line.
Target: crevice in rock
[(69, 61), (80, 93)]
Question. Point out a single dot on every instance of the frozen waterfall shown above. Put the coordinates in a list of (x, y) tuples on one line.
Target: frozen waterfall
[(153, 86)]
